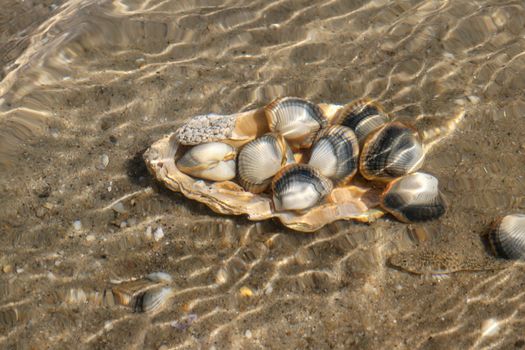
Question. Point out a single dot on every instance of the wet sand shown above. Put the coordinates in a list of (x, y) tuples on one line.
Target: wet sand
[(94, 78)]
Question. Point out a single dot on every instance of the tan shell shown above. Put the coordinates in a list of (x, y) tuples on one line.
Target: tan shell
[(343, 203)]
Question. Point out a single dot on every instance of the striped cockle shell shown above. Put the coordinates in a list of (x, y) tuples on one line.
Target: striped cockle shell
[(154, 299), (362, 116), (335, 153), (299, 187), (260, 159), (414, 198), (298, 120), (392, 151), (506, 237)]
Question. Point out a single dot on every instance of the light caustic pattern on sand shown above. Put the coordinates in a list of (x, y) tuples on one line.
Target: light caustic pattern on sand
[(99, 81)]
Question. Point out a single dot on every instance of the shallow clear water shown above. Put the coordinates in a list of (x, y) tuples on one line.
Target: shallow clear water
[(83, 79)]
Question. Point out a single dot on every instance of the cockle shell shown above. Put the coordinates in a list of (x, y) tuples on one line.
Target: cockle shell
[(211, 161), (261, 159), (153, 300), (335, 153), (357, 202), (414, 198), (299, 187), (298, 120), (506, 237), (149, 294), (362, 116), (392, 151)]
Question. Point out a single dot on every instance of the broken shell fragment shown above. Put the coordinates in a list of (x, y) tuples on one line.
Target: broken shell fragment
[(210, 161), (261, 159), (298, 120), (414, 198), (392, 151), (335, 153), (362, 116), (299, 187), (235, 129), (126, 292), (506, 237)]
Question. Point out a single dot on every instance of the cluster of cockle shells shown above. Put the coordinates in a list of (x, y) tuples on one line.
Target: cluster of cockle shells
[(297, 161)]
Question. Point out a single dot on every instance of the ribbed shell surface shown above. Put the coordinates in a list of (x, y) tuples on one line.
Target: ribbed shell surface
[(299, 187), (260, 159), (298, 120), (507, 238), (392, 151), (153, 300), (363, 117), (414, 198), (335, 153)]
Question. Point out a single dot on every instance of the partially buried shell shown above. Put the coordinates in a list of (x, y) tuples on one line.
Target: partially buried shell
[(298, 120), (392, 151), (299, 187), (261, 159), (362, 116), (211, 161), (414, 198), (153, 300), (335, 153), (506, 237)]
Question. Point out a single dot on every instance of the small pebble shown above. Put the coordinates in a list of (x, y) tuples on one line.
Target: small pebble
[(184, 323), (19, 270), (103, 162), (77, 225), (158, 234), (7, 268), (48, 206), (148, 233), (160, 277), (123, 224), (473, 99), (248, 334), (489, 327), (119, 208), (246, 292), (40, 212), (268, 290), (90, 238), (222, 276)]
